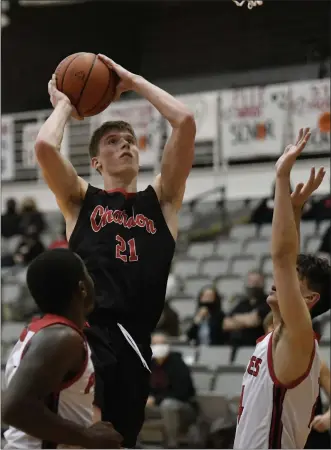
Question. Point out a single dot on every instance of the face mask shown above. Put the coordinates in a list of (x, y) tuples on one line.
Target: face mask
[(160, 350)]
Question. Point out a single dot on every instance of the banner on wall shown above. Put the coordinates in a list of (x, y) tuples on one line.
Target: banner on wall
[(310, 101), (253, 121), (7, 148), (29, 136), (146, 122), (204, 107)]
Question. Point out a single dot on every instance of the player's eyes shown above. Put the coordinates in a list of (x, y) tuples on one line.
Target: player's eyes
[(112, 141)]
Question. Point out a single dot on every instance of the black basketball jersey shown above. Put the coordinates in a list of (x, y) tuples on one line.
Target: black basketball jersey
[(127, 248)]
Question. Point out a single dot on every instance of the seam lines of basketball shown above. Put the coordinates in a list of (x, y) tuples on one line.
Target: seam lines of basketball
[(84, 86), (65, 71), (104, 94)]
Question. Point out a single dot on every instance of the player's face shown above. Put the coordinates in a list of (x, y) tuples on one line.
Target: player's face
[(310, 296), (118, 154)]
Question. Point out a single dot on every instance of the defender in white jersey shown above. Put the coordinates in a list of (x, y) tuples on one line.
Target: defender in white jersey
[(281, 382), (49, 374)]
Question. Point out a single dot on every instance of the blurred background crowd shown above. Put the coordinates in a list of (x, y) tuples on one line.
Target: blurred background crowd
[(222, 272)]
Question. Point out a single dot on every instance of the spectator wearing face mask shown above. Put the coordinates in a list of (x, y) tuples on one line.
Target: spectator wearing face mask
[(245, 322), (172, 393), (206, 328)]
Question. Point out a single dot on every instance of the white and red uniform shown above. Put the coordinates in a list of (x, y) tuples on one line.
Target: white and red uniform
[(272, 415), (74, 399)]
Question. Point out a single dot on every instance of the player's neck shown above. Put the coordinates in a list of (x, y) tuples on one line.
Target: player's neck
[(112, 183), (76, 319)]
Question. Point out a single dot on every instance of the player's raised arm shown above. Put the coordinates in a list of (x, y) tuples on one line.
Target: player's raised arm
[(58, 172), (285, 248), (178, 153), (54, 353)]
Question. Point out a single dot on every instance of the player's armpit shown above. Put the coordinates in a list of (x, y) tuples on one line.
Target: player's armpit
[(53, 353), (292, 305)]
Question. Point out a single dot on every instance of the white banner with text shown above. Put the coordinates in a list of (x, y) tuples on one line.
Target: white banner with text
[(253, 121), (7, 148), (311, 108)]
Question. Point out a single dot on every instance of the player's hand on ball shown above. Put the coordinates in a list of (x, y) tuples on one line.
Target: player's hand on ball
[(286, 161), (57, 96), (303, 191), (321, 423), (103, 435), (126, 78)]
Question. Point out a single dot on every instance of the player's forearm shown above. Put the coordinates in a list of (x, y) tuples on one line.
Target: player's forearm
[(172, 109), (297, 218), (284, 242), (36, 420), (51, 132)]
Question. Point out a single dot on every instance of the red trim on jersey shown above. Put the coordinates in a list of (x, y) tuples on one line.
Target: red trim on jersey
[(276, 425), (51, 319), (261, 338), (298, 380), (122, 191)]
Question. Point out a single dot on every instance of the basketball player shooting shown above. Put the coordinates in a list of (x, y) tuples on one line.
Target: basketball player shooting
[(126, 239), (280, 385), (49, 377)]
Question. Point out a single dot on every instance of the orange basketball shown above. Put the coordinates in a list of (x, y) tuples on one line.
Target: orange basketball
[(88, 83)]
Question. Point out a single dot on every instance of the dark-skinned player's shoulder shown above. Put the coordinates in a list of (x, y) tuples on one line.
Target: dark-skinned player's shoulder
[(52, 354)]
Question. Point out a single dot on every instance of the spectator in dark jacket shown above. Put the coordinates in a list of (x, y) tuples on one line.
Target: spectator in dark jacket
[(325, 246), (27, 250), (172, 393), (245, 321), (32, 220), (10, 220), (206, 328)]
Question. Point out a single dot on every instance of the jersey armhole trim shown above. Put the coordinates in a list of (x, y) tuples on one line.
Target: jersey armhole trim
[(151, 188), (298, 380)]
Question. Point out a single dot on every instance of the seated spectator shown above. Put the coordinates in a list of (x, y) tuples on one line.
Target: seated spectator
[(325, 246), (172, 393), (10, 220), (265, 209), (318, 210), (244, 323), (206, 328), (169, 321), (27, 250), (32, 220)]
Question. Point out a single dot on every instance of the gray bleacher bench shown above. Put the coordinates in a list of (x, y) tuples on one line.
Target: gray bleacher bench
[(203, 378), (241, 265), (201, 250), (214, 267), (185, 307), (185, 267), (194, 284), (188, 352), (11, 331), (213, 356)]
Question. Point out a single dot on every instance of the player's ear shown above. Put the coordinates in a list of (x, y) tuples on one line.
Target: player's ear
[(312, 299), (96, 164), (82, 289)]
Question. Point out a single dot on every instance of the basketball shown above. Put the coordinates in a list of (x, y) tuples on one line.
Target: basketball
[(88, 83)]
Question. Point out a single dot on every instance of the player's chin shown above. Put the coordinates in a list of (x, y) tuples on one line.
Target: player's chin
[(272, 298)]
